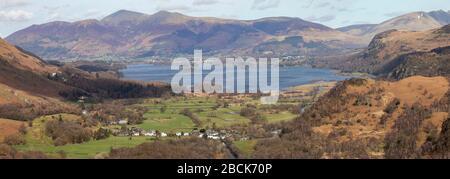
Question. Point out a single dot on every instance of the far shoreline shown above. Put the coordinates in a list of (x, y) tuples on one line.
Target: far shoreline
[(329, 75)]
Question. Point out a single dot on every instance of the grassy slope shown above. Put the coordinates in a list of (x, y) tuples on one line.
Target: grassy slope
[(246, 147), (170, 121), (37, 141), (280, 117), (166, 122)]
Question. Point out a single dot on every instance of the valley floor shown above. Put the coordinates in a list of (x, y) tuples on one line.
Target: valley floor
[(358, 118), (219, 116)]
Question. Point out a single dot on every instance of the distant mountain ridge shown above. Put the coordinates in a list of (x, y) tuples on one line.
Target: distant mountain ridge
[(441, 16), (163, 35), (131, 34), (415, 21), (359, 29)]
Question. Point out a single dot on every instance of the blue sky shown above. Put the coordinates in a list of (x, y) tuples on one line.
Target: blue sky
[(18, 14)]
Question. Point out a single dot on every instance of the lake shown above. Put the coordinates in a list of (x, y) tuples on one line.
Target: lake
[(289, 76)]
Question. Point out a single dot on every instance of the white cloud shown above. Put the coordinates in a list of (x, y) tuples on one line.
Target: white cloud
[(55, 12), (174, 8), (53, 16), (179, 8), (92, 13), (265, 4), (323, 5), (204, 2), (394, 14), (13, 3), (15, 15)]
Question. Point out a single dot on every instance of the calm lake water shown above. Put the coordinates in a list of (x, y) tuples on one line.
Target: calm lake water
[(289, 76)]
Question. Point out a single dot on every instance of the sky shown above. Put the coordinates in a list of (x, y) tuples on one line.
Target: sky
[(19, 14)]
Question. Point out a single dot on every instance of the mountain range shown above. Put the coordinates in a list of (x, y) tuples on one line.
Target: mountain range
[(130, 34), (415, 21)]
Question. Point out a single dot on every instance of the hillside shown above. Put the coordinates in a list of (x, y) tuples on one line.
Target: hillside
[(127, 34), (23, 71), (25, 90), (389, 49), (359, 30), (432, 63), (416, 21), (23, 60), (369, 119), (9, 127), (29, 87)]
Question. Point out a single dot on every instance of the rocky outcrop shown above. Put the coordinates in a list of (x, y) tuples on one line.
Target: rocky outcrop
[(433, 63)]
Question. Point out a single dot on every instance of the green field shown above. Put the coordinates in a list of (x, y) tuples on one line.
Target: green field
[(221, 117), (246, 147), (280, 117), (169, 120), (86, 150), (204, 107), (172, 121), (36, 140)]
